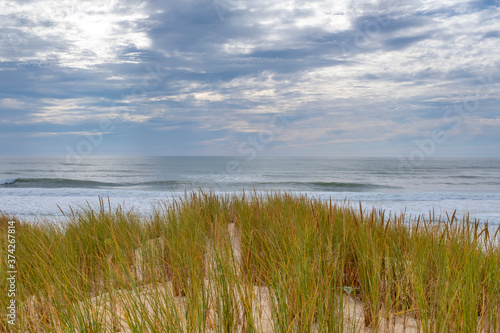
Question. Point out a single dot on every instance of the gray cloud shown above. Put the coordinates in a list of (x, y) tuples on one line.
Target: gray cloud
[(198, 77)]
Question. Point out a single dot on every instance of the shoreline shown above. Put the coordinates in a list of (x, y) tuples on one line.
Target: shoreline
[(212, 258), (144, 201)]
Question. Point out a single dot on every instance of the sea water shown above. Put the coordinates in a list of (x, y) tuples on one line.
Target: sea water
[(34, 187)]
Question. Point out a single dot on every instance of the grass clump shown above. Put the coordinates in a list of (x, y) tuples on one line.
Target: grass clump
[(254, 263)]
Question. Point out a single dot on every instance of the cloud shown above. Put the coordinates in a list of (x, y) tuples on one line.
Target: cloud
[(200, 76), (51, 134), (399, 43)]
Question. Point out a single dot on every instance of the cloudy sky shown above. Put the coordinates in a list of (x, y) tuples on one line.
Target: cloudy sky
[(230, 77)]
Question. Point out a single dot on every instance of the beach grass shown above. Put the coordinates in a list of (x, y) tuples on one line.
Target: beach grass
[(272, 262)]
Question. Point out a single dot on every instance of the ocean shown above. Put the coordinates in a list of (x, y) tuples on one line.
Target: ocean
[(35, 187)]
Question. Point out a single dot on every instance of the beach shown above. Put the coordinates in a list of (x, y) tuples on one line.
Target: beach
[(194, 244), (257, 262), (250, 166)]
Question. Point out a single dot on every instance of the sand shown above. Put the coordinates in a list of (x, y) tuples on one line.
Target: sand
[(152, 296)]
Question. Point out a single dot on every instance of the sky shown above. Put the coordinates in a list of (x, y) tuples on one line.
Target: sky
[(413, 79)]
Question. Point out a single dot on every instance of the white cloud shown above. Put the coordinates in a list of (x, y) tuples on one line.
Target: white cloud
[(12, 103), (82, 33), (222, 79)]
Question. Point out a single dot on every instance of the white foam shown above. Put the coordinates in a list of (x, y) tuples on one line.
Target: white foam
[(5, 181), (31, 203)]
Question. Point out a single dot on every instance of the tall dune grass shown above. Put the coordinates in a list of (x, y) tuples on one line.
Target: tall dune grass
[(252, 263)]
